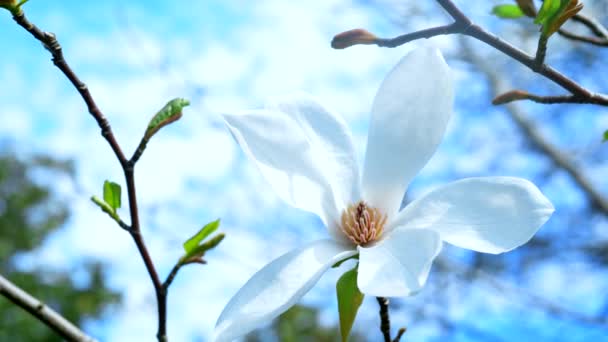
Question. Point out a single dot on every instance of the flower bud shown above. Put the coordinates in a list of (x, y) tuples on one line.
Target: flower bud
[(353, 37), (510, 96)]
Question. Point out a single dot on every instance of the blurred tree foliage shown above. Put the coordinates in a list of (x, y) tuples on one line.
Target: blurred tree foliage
[(300, 324), (29, 213)]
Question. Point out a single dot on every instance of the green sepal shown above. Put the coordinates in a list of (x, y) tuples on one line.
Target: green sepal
[(171, 112), (349, 301), (339, 263), (507, 11), (111, 194), (196, 239)]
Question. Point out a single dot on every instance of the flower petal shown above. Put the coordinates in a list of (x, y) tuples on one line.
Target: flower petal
[(276, 287), (409, 117), (399, 264), (304, 151), (488, 214)]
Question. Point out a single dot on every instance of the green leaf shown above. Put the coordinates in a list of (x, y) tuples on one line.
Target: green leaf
[(567, 10), (605, 136), (547, 10), (111, 194), (349, 301), (198, 251), (195, 240), (507, 11), (171, 112)]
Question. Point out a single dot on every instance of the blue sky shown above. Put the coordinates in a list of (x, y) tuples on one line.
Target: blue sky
[(232, 55)]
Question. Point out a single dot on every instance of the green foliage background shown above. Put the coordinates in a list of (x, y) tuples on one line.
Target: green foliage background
[(29, 213)]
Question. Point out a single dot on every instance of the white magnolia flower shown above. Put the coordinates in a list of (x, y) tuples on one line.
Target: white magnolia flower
[(306, 153)]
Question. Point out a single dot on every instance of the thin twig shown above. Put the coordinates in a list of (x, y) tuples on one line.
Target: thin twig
[(42, 312), (385, 323), (399, 334), (463, 25), (50, 43), (585, 39), (600, 32), (592, 24), (541, 51), (522, 95), (172, 275), (538, 140), (467, 274)]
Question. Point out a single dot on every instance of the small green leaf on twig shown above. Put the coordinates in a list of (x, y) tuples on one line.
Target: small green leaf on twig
[(349, 301), (111, 194), (195, 240), (171, 112), (507, 11), (105, 207), (605, 136), (197, 253)]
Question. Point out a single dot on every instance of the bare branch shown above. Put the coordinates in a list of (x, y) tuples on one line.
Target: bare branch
[(385, 323), (463, 25), (516, 95), (585, 39), (50, 42), (538, 140), (42, 312), (593, 25), (503, 287)]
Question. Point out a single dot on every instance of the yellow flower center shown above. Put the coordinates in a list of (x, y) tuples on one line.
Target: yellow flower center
[(362, 224)]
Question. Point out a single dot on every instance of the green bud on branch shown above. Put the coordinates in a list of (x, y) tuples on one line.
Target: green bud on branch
[(13, 6), (554, 13), (171, 112)]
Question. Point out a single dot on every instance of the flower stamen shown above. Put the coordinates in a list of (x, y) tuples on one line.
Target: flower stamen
[(362, 224)]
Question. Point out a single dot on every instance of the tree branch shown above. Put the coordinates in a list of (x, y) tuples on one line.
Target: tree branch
[(385, 322), (43, 313), (538, 140), (593, 25), (50, 42), (585, 39), (463, 25)]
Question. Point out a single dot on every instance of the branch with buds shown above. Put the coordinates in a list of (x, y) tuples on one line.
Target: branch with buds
[(464, 26), (111, 201)]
